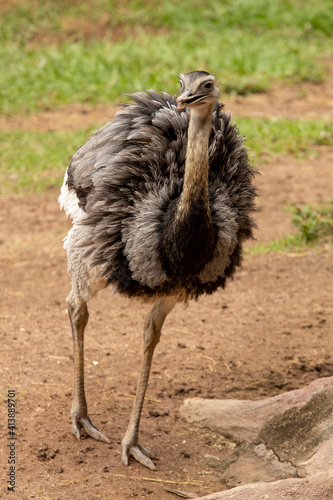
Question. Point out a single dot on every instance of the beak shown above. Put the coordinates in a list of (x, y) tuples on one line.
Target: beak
[(183, 99), (187, 98)]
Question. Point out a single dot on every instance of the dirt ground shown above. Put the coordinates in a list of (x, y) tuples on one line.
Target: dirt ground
[(270, 331)]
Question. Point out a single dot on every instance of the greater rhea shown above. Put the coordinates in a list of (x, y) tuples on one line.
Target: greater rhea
[(161, 200)]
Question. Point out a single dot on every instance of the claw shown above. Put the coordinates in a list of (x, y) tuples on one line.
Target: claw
[(140, 454), (89, 427)]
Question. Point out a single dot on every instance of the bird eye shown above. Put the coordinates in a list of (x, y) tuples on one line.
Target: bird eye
[(208, 85)]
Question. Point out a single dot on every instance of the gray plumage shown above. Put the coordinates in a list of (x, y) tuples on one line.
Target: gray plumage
[(161, 200)]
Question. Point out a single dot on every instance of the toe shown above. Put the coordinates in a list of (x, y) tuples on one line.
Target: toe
[(142, 458), (76, 429), (92, 430), (140, 454), (89, 428), (146, 452)]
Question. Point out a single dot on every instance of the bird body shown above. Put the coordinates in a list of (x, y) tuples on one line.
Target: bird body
[(161, 200), (123, 188)]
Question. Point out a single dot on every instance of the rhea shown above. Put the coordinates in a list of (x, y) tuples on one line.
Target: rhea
[(161, 200)]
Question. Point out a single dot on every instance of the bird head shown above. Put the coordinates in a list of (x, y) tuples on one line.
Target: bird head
[(197, 89)]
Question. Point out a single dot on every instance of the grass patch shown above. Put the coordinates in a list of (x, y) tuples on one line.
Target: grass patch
[(291, 243), (35, 161), (34, 80), (24, 20), (52, 53), (271, 137), (314, 224)]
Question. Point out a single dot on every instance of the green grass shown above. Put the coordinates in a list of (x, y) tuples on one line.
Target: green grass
[(24, 20), (52, 53), (314, 225), (271, 137), (41, 79), (294, 243), (290, 243), (35, 161), (32, 161)]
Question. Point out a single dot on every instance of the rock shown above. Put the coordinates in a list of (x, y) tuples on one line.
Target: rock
[(287, 436), (253, 463), (297, 433), (322, 460), (318, 487), (242, 420)]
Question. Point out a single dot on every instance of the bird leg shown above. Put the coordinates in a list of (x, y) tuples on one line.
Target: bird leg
[(152, 332), (78, 314)]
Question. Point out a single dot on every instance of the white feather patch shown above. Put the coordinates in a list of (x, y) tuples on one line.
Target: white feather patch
[(69, 202)]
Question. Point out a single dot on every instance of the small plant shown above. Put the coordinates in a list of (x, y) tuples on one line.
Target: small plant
[(313, 223)]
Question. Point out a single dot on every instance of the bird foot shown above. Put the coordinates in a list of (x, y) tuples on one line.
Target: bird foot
[(141, 454), (89, 428)]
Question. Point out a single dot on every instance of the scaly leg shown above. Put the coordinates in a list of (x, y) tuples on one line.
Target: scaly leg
[(78, 314), (152, 332)]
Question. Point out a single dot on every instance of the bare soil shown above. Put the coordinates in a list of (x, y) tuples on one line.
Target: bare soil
[(270, 331)]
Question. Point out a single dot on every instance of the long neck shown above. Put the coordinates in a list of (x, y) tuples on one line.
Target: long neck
[(188, 235), (195, 189)]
